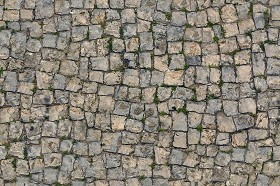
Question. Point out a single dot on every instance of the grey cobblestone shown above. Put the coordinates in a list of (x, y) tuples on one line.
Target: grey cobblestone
[(139, 92)]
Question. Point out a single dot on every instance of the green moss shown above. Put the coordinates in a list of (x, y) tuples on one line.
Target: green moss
[(74, 141), (14, 140), (211, 96), (87, 37), (142, 177), (252, 115), (220, 84), (268, 42), (161, 129), (138, 51), (250, 12), (102, 24), (199, 128), (186, 66), (14, 163), (38, 38), (55, 33), (34, 90), (212, 66), (184, 9), (41, 23), (120, 68), (168, 164), (63, 138), (261, 44), (156, 99), (1, 71), (153, 165), (245, 147), (183, 110), (51, 89), (7, 145), (229, 151), (59, 184), (249, 33), (266, 19), (216, 39), (233, 52), (220, 11), (194, 98), (168, 16), (103, 36), (270, 155), (151, 30), (162, 113), (64, 153), (121, 32), (164, 85), (223, 32), (141, 96), (169, 60), (3, 28), (188, 25), (262, 76), (25, 153), (110, 45), (209, 24)]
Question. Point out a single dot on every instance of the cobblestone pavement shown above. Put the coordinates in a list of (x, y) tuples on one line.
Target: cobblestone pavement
[(139, 92)]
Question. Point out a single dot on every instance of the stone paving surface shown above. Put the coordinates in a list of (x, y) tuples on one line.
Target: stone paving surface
[(139, 92)]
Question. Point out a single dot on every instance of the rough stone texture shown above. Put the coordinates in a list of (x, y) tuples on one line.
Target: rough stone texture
[(139, 92)]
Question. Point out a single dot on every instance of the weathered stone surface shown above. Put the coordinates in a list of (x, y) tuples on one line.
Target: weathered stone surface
[(272, 50), (225, 124), (68, 68), (207, 136), (110, 141), (10, 83), (271, 168), (8, 114), (239, 139), (173, 78), (8, 169), (247, 105), (18, 42), (257, 134), (220, 174), (243, 121), (44, 9), (180, 140), (192, 49), (139, 92), (191, 160), (229, 13), (222, 139)]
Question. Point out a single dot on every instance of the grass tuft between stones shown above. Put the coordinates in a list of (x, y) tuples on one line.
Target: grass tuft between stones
[(199, 128)]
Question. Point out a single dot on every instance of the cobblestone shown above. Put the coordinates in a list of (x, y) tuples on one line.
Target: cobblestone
[(139, 92)]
